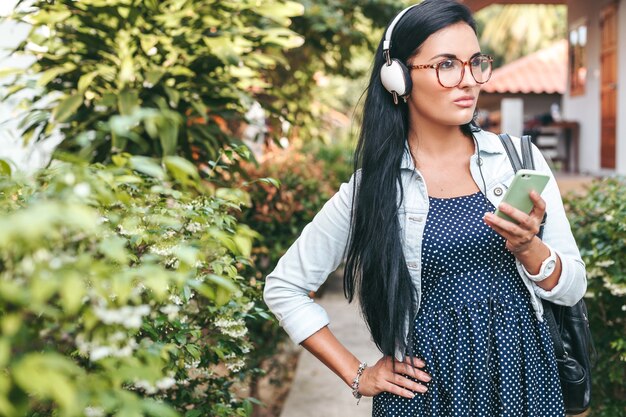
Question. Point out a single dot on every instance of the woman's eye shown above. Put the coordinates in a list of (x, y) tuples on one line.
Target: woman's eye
[(447, 64), (476, 62)]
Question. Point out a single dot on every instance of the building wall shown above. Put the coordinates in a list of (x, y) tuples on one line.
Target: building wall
[(585, 108)]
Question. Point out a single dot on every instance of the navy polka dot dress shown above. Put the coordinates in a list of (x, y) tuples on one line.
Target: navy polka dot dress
[(487, 353)]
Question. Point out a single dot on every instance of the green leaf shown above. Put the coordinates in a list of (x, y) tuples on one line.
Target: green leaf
[(114, 248), (86, 79), (173, 96), (168, 135), (5, 168), (180, 168), (66, 108), (225, 283), (147, 166), (283, 37), (128, 102), (279, 11), (5, 72), (244, 244), (186, 254), (48, 376), (157, 409), (5, 355), (72, 292), (53, 73), (235, 195)]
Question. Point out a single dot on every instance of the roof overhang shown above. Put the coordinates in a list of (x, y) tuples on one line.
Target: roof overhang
[(476, 5)]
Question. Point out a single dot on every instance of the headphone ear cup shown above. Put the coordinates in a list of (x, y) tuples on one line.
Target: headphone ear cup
[(396, 78)]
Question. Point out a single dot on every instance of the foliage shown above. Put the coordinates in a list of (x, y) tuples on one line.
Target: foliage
[(121, 292), (598, 221), (153, 77), (511, 31), (337, 159), (281, 208), (327, 71)]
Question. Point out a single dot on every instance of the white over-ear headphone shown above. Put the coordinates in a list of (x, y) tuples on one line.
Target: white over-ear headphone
[(394, 75)]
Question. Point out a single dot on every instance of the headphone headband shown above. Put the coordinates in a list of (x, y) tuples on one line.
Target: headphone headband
[(394, 22), (394, 75)]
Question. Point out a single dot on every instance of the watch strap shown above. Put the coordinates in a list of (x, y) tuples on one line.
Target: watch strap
[(541, 275)]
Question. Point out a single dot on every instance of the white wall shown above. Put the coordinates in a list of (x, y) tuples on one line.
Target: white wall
[(25, 157), (586, 109)]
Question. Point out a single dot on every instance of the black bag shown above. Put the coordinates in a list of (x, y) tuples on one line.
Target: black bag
[(569, 326)]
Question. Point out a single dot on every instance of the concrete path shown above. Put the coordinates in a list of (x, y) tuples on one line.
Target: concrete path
[(316, 390)]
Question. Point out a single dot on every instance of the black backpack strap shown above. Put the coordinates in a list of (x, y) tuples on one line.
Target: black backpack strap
[(527, 153), (511, 151), (527, 161), (553, 327)]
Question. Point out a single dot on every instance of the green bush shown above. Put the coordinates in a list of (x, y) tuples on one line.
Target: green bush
[(121, 292), (598, 221), (280, 209), (150, 77)]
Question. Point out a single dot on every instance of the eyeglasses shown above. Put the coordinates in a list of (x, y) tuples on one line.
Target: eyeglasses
[(450, 71)]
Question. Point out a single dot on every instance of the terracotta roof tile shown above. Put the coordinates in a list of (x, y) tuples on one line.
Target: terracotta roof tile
[(544, 71)]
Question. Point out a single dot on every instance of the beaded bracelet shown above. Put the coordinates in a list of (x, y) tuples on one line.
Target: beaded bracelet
[(355, 382)]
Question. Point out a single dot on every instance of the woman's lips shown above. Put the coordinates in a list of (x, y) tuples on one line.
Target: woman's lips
[(467, 101)]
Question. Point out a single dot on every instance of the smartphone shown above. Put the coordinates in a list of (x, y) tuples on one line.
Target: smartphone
[(517, 195)]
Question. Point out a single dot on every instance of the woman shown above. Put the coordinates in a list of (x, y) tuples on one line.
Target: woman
[(450, 292)]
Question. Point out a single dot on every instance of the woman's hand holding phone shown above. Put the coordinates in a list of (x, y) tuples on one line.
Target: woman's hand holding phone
[(519, 225)]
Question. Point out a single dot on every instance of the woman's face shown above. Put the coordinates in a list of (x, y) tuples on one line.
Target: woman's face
[(429, 100)]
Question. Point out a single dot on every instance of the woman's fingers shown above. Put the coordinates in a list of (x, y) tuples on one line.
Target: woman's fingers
[(406, 383), (394, 377), (414, 372), (415, 362)]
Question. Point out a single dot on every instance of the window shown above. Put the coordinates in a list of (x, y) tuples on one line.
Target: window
[(577, 59)]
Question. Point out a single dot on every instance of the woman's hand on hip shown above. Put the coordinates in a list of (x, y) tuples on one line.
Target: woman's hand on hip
[(383, 378), (518, 236)]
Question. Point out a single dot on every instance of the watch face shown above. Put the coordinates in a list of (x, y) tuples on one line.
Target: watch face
[(549, 268)]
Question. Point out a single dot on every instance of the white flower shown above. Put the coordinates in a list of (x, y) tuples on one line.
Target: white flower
[(605, 264), (42, 255), (99, 352), (146, 386), (55, 263), (171, 310), (617, 290), (128, 316), (165, 383), (235, 366), (247, 307), (176, 300), (94, 412), (152, 51), (82, 190), (161, 250), (234, 328), (194, 227)]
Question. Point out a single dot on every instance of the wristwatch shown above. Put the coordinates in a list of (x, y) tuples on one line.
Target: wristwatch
[(547, 268)]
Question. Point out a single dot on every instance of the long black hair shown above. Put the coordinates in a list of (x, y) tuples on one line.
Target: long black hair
[(375, 263)]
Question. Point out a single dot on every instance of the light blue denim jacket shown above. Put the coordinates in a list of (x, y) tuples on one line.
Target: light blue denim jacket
[(322, 245)]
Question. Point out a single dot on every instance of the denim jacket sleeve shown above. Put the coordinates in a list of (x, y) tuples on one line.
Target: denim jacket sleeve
[(557, 234), (305, 266)]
